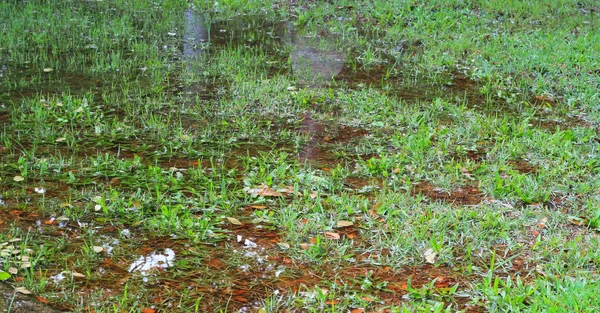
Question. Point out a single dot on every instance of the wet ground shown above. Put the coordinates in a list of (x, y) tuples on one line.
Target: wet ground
[(251, 261)]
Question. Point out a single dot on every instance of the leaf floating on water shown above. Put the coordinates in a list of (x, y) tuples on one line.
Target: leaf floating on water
[(98, 249), (234, 221), (18, 178), (341, 224), (430, 256)]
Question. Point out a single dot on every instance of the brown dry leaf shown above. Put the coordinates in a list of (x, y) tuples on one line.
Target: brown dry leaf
[(304, 246), (331, 235), (23, 290), (579, 221), (283, 245), (258, 206), (288, 190), (341, 224), (216, 263), (148, 310), (240, 299), (234, 221), (352, 235), (357, 311), (263, 190), (78, 275), (42, 300)]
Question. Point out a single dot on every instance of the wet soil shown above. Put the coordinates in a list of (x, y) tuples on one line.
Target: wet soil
[(467, 195)]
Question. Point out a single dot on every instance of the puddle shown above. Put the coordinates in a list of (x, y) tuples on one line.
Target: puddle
[(153, 261), (55, 82)]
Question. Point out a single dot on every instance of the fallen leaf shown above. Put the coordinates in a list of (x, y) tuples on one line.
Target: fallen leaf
[(61, 139), (430, 256), (258, 206), (264, 191), (98, 249), (23, 290), (331, 235), (357, 311), (341, 224), (78, 275), (368, 299), (18, 178), (240, 299), (148, 310), (12, 270), (48, 70), (304, 246), (283, 245), (288, 190), (4, 275), (234, 221), (352, 235), (42, 300)]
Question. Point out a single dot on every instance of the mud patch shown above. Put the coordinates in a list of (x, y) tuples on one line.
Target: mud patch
[(523, 166), (462, 196)]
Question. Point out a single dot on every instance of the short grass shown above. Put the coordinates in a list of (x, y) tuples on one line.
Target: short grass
[(451, 164)]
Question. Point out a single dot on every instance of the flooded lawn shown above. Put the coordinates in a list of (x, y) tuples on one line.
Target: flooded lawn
[(186, 156)]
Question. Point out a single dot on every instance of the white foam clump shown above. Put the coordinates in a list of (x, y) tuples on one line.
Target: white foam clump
[(154, 260)]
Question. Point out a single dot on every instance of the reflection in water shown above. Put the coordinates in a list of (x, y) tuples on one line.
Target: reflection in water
[(312, 62), (195, 35), (154, 260)]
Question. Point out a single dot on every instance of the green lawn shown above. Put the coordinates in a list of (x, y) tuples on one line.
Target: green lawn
[(301, 156)]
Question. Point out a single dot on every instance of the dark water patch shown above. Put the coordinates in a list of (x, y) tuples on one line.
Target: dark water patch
[(467, 195), (36, 82)]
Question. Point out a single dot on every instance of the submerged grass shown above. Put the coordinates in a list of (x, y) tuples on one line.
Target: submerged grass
[(301, 156)]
